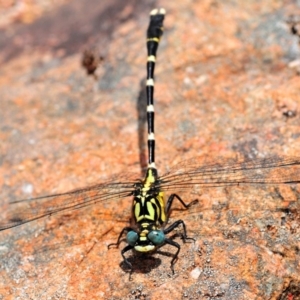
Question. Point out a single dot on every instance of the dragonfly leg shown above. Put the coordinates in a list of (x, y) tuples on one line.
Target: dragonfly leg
[(174, 259), (173, 243), (175, 225), (124, 230), (127, 248), (173, 196)]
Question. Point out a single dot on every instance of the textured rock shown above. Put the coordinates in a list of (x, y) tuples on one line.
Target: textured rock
[(223, 88)]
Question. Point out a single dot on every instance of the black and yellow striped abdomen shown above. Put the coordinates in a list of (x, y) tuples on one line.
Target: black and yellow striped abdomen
[(154, 33)]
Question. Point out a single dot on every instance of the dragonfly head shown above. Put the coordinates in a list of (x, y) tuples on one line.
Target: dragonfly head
[(145, 241)]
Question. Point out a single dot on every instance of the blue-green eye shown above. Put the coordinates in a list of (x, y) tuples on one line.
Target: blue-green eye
[(157, 237), (131, 238)]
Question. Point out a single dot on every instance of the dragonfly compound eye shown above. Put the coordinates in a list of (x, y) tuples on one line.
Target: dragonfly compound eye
[(132, 238), (157, 237)]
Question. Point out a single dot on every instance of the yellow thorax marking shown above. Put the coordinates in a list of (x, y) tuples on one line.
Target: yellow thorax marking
[(153, 207), (149, 180)]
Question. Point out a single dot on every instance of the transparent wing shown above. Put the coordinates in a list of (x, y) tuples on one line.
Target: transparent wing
[(229, 172), (24, 211), (188, 175)]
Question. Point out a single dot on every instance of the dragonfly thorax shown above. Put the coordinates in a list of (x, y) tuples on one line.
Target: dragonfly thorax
[(148, 203)]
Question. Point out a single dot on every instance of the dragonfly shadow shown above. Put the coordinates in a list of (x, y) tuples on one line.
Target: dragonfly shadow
[(146, 262), (141, 263), (142, 118)]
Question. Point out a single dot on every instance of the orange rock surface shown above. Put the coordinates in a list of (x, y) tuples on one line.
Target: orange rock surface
[(223, 89)]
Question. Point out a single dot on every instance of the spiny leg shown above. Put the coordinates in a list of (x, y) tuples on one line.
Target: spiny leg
[(124, 250), (172, 197), (174, 259), (170, 242), (124, 230), (175, 225)]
